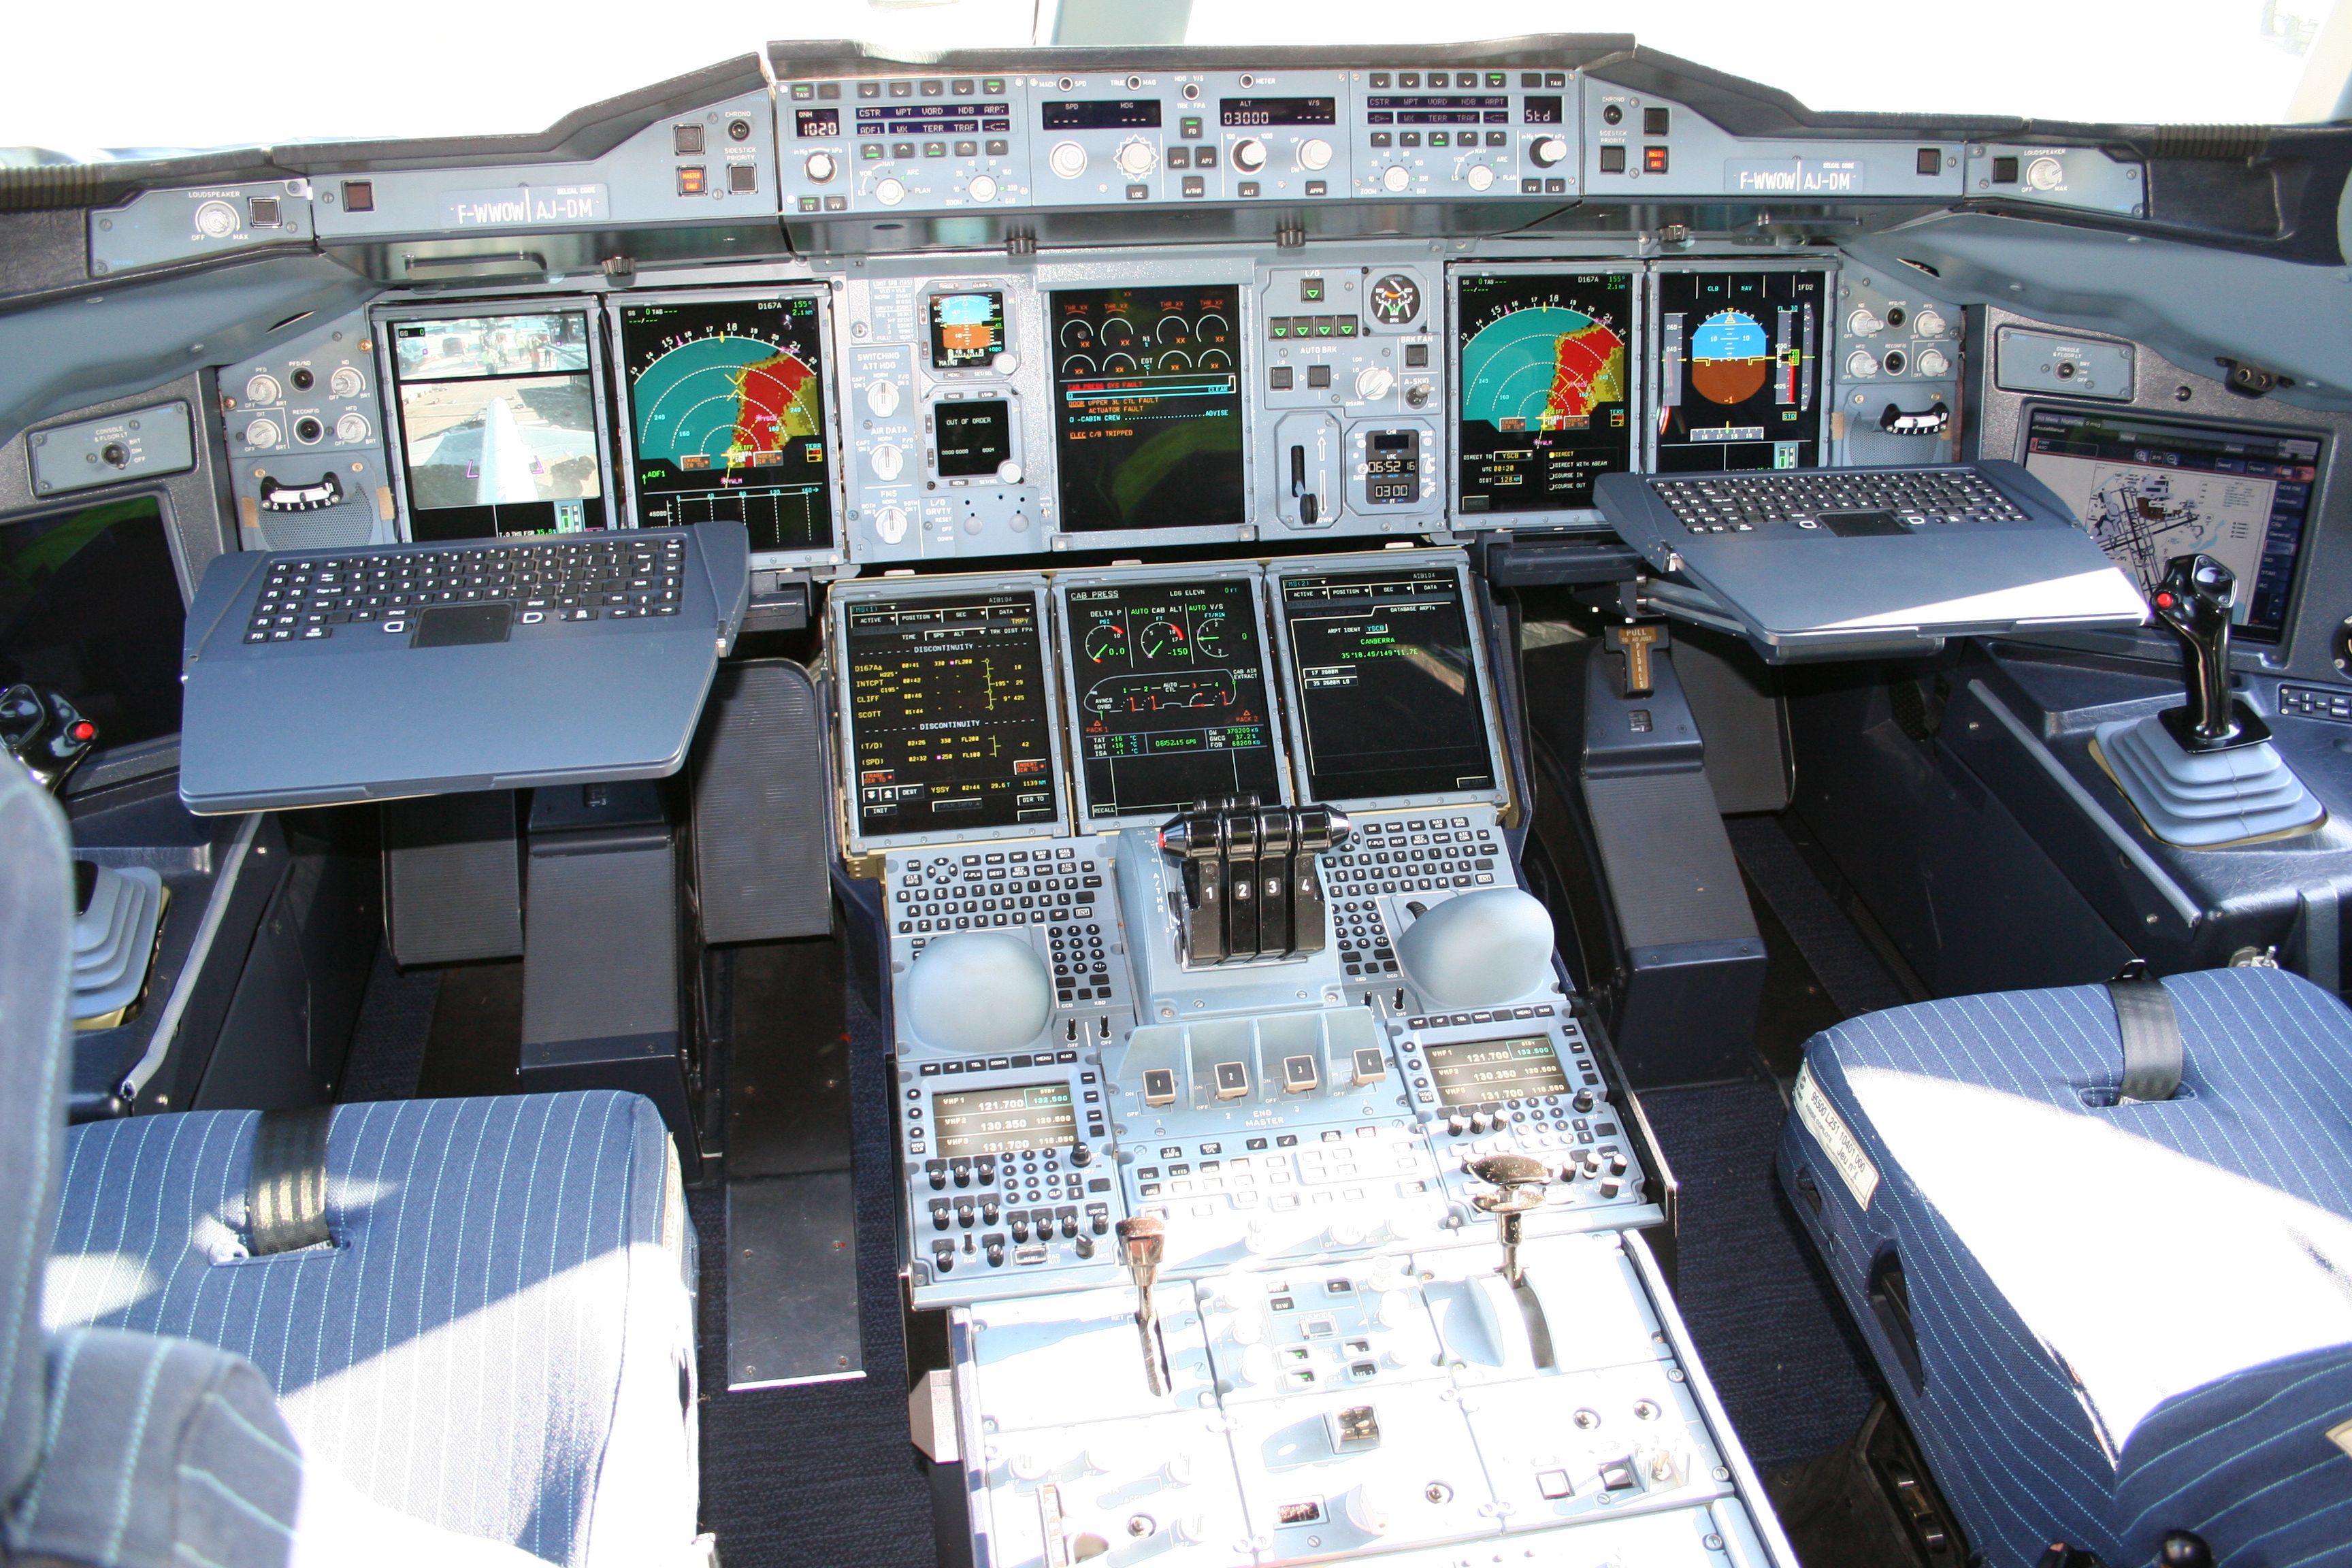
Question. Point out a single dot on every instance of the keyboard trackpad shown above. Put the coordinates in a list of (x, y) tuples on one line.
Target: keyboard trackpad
[(1844, 525), (457, 625)]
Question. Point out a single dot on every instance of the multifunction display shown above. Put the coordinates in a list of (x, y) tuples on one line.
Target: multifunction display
[(1168, 680), (498, 424), (727, 416), (1740, 370), (973, 438), (1003, 1121), (1148, 406), (967, 328), (1544, 365), (1387, 688), (1478, 1072), (2148, 490), (948, 727)]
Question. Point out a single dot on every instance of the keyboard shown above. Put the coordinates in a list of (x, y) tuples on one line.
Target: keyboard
[(569, 581), (1738, 503)]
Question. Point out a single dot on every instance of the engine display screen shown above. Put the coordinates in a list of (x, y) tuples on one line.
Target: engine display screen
[(1148, 406), (972, 439), (498, 424), (1387, 688), (1169, 682), (2149, 490), (1003, 1121), (1545, 367), (1739, 373), (967, 328), (949, 725), (1478, 1072), (727, 416)]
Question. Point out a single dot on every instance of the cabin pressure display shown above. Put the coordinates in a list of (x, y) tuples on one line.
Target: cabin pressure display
[(948, 727), (1170, 684), (727, 416), (1148, 405), (1547, 400)]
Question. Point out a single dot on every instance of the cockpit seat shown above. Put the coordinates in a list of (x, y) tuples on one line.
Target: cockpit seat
[(490, 1361), (2106, 1320)]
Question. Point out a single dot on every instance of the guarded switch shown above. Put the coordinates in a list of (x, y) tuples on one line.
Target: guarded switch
[(1158, 1087), (1232, 1081), (1300, 1075)]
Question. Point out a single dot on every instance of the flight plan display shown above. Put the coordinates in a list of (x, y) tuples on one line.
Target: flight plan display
[(727, 416), (949, 721), (1168, 680), (1547, 407)]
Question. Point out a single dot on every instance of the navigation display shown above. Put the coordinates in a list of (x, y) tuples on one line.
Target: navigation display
[(727, 416), (1478, 1072), (2148, 490), (1148, 406), (1168, 680), (948, 721), (1388, 689), (90, 606), (498, 424), (1003, 1121), (1547, 407), (1740, 370), (967, 328), (972, 439)]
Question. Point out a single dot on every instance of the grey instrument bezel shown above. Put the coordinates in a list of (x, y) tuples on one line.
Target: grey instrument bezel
[(962, 585), (828, 382), (1825, 355), (1638, 367), (1082, 802), (618, 513), (1458, 562)]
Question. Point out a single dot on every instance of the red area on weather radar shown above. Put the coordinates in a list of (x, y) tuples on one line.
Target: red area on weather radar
[(764, 392)]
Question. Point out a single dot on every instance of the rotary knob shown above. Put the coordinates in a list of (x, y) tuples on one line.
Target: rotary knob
[(1008, 472), (346, 382), (1931, 363), (1930, 324), (820, 166), (890, 191), (1395, 177), (890, 524), (888, 461), (1313, 153), (352, 429), (1068, 160), (263, 389), (1249, 155), (1547, 151), (1864, 322), (1373, 382), (982, 188), (882, 397), (2045, 173), (1480, 177), (216, 220), (263, 434), (1860, 363), (1006, 363), (1136, 158)]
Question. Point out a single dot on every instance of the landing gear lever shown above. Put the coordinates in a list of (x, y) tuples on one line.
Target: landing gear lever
[(1309, 509), (2194, 599)]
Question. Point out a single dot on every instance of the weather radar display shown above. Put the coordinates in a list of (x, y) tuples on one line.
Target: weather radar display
[(1546, 398), (1738, 370), (727, 412)]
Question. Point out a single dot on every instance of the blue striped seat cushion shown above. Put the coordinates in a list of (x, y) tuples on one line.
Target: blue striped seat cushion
[(2130, 1318), (500, 1338)]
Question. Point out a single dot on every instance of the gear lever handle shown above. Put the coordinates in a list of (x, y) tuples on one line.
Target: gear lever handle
[(2194, 599)]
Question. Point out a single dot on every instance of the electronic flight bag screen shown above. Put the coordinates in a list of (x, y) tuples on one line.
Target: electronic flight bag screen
[(498, 424), (1544, 364), (949, 727), (1739, 374), (1168, 680), (1148, 406), (727, 416), (1388, 687)]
